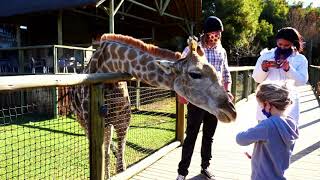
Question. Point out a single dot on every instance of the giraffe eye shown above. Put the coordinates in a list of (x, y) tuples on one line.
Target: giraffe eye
[(195, 75)]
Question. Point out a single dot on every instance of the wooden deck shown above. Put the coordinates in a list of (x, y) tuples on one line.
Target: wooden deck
[(229, 162)]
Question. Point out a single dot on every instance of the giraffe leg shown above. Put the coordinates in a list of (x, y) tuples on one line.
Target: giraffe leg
[(122, 130), (107, 140), (121, 165)]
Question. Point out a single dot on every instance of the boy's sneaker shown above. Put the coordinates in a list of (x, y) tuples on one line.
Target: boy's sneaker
[(180, 177), (207, 174)]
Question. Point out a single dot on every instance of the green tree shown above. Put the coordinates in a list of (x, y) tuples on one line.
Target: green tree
[(307, 22), (243, 31), (274, 12)]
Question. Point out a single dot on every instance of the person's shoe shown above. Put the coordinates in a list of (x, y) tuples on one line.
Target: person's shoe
[(207, 174), (180, 177)]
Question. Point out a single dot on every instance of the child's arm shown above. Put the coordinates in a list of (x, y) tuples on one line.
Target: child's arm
[(257, 133)]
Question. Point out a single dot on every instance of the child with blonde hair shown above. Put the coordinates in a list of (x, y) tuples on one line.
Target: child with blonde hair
[(273, 137)]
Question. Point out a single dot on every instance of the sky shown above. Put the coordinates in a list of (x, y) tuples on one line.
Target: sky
[(315, 3)]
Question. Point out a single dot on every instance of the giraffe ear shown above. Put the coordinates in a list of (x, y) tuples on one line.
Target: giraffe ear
[(200, 51), (167, 66)]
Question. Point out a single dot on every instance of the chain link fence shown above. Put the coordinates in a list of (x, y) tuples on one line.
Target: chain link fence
[(36, 143), (41, 137)]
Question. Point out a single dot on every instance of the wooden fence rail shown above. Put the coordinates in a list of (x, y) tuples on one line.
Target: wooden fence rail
[(10, 83), (314, 78)]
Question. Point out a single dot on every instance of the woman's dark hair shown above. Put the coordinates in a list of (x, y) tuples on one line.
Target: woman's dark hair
[(292, 35)]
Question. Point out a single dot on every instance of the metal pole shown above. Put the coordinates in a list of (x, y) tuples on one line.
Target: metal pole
[(138, 95), (111, 16), (153, 34), (55, 60), (59, 22), (246, 84), (20, 52), (153, 9), (234, 76)]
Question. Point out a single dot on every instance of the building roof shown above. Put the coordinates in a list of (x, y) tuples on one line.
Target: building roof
[(17, 7)]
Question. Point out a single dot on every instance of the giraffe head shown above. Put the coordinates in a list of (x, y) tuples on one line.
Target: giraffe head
[(197, 81), (191, 77)]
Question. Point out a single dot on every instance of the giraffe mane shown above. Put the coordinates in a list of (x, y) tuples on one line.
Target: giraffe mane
[(150, 48)]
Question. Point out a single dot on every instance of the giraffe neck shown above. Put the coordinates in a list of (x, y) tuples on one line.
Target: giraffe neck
[(119, 57)]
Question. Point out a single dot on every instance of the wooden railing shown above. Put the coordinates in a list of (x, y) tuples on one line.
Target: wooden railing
[(242, 82), (314, 78), (245, 81), (96, 139), (240, 75)]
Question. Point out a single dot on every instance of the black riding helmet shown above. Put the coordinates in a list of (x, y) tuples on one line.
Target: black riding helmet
[(212, 23)]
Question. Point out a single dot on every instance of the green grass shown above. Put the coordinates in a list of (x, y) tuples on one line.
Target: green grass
[(54, 148), (41, 148)]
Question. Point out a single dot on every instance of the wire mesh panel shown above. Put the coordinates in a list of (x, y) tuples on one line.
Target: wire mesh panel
[(150, 126), (239, 84), (42, 135), (153, 122), (38, 142)]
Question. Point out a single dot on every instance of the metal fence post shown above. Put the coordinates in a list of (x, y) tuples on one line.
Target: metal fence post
[(180, 121), (97, 150), (254, 85), (246, 83), (138, 95), (234, 76)]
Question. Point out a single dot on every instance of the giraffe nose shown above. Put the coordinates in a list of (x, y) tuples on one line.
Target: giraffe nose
[(227, 112)]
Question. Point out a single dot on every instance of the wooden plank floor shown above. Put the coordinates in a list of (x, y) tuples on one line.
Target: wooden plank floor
[(229, 162)]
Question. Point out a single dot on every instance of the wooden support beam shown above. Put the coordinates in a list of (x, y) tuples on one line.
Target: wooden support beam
[(96, 133), (180, 122), (8, 83)]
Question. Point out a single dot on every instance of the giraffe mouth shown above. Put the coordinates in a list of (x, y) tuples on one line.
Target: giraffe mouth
[(227, 113)]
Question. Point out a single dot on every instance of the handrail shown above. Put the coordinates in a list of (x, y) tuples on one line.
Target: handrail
[(47, 46), (314, 78), (73, 47), (317, 67), (35, 81), (240, 68)]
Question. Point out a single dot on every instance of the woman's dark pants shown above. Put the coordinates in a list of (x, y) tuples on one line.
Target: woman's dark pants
[(196, 116)]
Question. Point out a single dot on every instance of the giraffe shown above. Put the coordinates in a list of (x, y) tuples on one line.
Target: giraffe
[(191, 77)]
